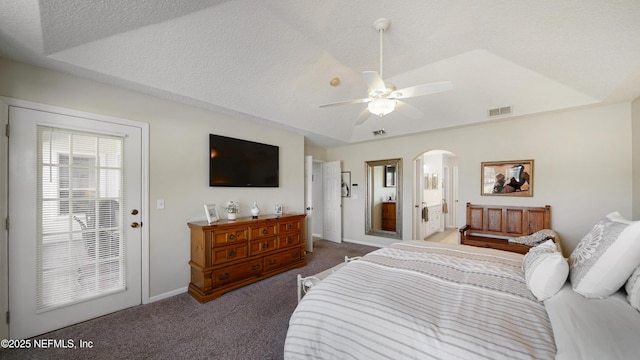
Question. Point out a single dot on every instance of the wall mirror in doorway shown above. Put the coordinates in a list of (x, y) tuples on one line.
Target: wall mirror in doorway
[(384, 198)]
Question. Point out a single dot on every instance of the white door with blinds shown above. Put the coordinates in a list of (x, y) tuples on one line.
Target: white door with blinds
[(75, 188)]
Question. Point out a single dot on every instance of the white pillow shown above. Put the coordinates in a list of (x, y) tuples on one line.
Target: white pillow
[(633, 289), (545, 270), (605, 258)]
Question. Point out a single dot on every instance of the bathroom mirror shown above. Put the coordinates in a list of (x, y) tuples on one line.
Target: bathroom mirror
[(384, 198)]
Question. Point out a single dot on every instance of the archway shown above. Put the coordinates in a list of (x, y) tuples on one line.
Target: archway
[(435, 196)]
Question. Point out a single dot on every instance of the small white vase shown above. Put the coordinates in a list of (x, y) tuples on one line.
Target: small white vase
[(231, 216), (255, 210)]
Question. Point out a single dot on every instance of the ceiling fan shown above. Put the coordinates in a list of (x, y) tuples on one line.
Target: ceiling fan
[(383, 98)]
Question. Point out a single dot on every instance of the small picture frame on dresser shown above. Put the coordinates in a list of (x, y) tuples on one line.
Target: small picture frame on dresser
[(211, 212)]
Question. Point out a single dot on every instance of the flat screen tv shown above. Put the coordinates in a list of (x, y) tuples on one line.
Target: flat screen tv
[(242, 163)]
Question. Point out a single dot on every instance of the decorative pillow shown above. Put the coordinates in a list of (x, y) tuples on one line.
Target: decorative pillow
[(545, 270), (538, 238), (633, 289), (605, 258)]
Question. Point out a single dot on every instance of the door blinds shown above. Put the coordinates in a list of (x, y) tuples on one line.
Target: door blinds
[(80, 242)]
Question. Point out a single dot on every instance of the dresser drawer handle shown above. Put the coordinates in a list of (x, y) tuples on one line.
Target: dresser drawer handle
[(272, 261), (289, 226), (289, 240), (265, 231), (255, 267), (232, 236), (224, 276), (294, 256), (232, 253), (265, 245)]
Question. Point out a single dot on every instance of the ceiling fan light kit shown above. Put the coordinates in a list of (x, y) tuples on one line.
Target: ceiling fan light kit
[(381, 106), (383, 98)]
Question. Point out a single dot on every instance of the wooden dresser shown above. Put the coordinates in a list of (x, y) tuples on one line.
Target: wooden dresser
[(389, 216), (227, 255)]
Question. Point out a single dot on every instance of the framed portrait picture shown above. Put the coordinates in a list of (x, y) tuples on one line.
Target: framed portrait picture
[(211, 212), (346, 184), (507, 178)]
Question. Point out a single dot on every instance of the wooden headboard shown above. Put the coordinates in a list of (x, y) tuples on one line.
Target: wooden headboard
[(492, 225)]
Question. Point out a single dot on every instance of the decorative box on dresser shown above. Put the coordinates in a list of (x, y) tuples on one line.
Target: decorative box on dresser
[(227, 254)]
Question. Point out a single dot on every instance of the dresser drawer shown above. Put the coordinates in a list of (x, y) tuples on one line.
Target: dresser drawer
[(282, 259), (262, 245), (229, 236), (263, 230), (287, 226), (238, 272), (222, 255), (288, 240)]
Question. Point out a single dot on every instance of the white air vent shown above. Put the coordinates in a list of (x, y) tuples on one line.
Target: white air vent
[(499, 111), (379, 132)]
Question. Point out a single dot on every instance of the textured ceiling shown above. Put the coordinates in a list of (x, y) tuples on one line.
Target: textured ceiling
[(271, 61)]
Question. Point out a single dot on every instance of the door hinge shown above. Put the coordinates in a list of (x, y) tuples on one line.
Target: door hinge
[(6, 130), (7, 317), (6, 223)]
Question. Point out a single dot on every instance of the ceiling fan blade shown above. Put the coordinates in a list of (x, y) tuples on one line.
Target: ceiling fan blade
[(364, 116), (356, 101), (420, 90), (374, 81), (409, 110)]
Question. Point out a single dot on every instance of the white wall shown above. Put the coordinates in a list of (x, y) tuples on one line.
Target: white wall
[(179, 145), (635, 114), (582, 166)]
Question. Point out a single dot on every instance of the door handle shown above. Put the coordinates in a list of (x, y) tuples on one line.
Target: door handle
[(134, 212), (135, 225)]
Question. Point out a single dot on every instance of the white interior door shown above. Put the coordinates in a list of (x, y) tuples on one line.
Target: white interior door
[(453, 207), (332, 186), (318, 198), (308, 200), (75, 189)]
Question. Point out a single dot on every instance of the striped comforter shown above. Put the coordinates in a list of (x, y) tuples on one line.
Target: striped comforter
[(420, 300)]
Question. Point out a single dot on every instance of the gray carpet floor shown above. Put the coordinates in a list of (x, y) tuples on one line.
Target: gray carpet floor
[(247, 323)]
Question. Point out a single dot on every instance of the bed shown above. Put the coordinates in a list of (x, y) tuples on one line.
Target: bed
[(426, 300)]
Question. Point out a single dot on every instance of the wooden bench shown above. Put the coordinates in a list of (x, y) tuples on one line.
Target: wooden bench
[(492, 226)]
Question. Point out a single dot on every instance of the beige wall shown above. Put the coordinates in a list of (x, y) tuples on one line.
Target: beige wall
[(178, 160), (582, 166), (317, 152)]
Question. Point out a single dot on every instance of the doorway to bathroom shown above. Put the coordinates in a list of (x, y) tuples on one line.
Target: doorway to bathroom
[(435, 196)]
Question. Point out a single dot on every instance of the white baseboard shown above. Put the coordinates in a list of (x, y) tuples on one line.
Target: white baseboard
[(368, 243), (168, 294)]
